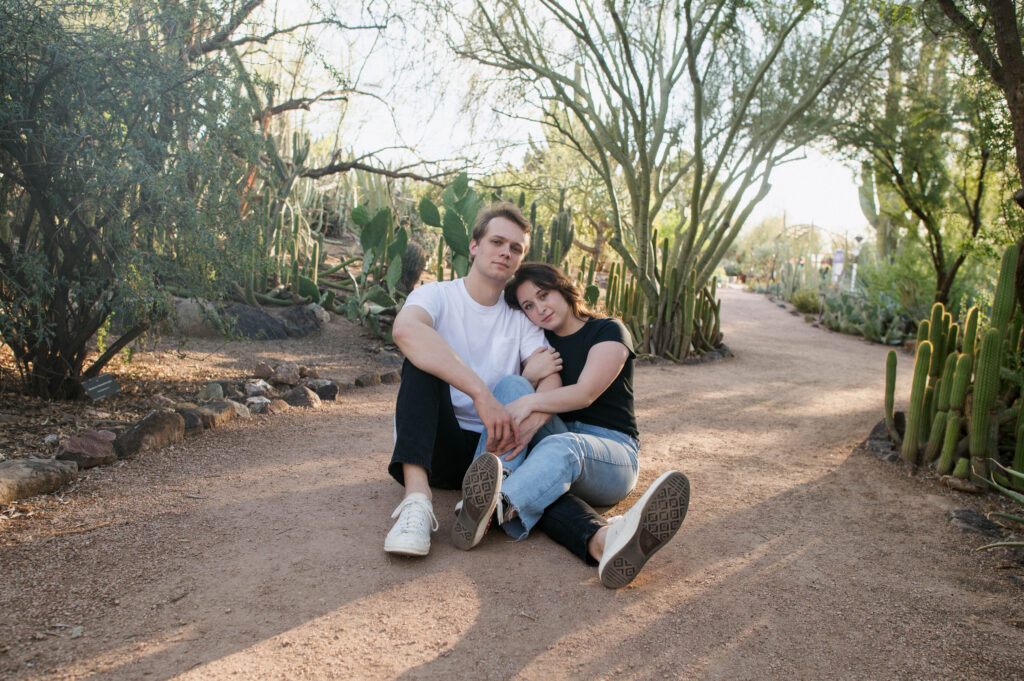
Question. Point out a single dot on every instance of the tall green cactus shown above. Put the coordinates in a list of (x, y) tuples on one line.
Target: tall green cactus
[(938, 428), (1002, 305), (986, 386), (890, 395), (922, 362), (970, 332), (552, 245), (937, 337), (957, 395)]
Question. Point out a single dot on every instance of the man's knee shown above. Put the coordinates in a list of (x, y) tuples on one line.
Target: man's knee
[(512, 388)]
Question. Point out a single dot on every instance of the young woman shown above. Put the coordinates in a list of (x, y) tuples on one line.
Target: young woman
[(590, 450)]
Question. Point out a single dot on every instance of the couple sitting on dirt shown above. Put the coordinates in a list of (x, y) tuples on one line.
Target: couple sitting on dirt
[(516, 392)]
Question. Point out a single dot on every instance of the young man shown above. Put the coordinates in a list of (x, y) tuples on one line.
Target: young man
[(459, 339)]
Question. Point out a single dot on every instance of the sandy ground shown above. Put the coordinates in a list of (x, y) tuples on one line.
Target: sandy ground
[(256, 551)]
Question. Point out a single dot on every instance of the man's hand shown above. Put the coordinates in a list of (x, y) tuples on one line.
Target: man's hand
[(541, 364), (502, 429)]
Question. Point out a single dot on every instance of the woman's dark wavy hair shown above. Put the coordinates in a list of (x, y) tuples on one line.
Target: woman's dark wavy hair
[(547, 278)]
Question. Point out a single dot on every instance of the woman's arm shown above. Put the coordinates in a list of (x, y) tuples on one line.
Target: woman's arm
[(604, 362)]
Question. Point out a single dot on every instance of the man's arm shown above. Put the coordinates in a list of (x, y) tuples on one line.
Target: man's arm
[(415, 335)]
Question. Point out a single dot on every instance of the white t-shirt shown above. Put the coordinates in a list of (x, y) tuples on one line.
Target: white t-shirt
[(492, 341)]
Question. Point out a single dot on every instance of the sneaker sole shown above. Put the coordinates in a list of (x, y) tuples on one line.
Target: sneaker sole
[(664, 508), (399, 550), (480, 488)]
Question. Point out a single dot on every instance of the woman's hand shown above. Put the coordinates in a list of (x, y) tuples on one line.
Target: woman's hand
[(541, 364), (519, 409)]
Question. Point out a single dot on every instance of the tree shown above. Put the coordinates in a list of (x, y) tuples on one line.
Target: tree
[(926, 162), (102, 138), (990, 29), (673, 104)]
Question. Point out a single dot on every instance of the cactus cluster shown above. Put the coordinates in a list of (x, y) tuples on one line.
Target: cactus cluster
[(552, 245), (682, 317), (964, 409)]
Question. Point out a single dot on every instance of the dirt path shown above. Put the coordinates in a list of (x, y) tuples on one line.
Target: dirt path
[(256, 552)]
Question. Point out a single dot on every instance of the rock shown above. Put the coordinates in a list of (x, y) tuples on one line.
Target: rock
[(89, 448), (302, 396), (263, 370), (257, 405), (193, 421), (194, 318), (212, 391), (278, 407), (257, 388), (308, 372), (158, 429), (390, 359), (287, 373), (162, 402), (315, 383), (972, 521), (304, 320), (391, 378), (20, 478), (241, 411), (51, 440), (366, 380), (878, 443), (216, 414), (231, 389), (251, 322), (327, 392)]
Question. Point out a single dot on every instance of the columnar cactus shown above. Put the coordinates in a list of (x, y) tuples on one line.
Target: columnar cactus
[(970, 332), (986, 385), (1002, 306), (890, 393), (922, 362), (957, 395), (936, 334)]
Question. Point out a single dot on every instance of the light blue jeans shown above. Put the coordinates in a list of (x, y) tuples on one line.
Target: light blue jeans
[(599, 465)]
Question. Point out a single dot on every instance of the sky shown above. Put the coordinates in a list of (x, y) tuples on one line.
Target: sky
[(427, 115)]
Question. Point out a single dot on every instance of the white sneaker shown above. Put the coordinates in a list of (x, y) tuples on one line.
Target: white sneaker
[(636, 536), (410, 536)]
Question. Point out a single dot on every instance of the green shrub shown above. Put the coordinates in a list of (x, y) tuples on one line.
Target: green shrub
[(807, 300)]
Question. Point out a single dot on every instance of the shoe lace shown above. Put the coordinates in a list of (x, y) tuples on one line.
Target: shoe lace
[(419, 511)]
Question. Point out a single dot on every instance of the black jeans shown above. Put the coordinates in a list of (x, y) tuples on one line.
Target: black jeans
[(428, 435), (427, 432)]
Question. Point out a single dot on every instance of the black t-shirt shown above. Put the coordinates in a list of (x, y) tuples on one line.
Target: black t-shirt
[(614, 407)]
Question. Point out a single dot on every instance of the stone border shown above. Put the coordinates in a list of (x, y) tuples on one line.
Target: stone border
[(27, 477)]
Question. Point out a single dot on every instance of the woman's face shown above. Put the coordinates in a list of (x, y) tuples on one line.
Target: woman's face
[(546, 308)]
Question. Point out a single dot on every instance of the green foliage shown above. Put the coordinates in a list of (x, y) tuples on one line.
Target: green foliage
[(807, 300), (460, 206), (375, 296), (854, 313), (120, 163)]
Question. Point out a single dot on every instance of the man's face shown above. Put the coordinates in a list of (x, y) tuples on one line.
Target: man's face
[(498, 253)]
